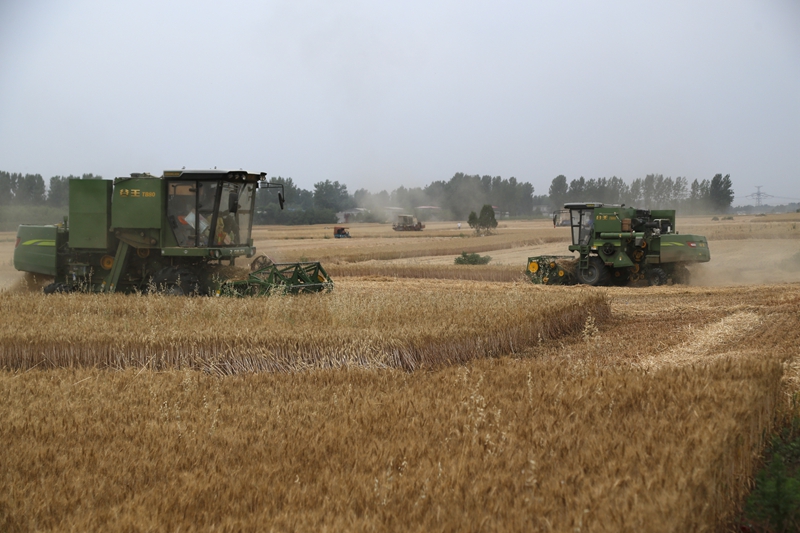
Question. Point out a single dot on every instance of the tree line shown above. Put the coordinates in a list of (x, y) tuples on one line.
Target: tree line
[(29, 189), (452, 199), (652, 191), (445, 200)]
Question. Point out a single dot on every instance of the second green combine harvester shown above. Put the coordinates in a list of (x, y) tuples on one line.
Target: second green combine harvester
[(617, 245), (179, 233)]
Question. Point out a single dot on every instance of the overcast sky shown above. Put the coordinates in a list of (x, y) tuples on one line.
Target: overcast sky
[(377, 94)]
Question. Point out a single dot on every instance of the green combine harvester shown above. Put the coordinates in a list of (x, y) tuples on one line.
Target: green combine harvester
[(179, 233), (618, 245)]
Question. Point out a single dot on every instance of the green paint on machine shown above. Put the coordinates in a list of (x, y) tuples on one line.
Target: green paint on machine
[(167, 233), (617, 245)]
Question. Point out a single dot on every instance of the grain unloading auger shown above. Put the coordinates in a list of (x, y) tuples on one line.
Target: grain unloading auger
[(179, 233), (617, 245)]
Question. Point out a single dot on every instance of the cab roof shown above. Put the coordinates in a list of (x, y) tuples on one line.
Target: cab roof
[(241, 175), (582, 205)]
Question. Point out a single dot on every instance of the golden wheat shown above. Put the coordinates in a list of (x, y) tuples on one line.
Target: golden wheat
[(650, 419), (406, 324), (506, 446)]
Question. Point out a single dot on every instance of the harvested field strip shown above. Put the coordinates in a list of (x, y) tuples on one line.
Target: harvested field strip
[(427, 271), (391, 324), (354, 250), (514, 445), (705, 343), (717, 231)]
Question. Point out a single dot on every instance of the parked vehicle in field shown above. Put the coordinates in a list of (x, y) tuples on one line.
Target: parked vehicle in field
[(617, 245), (340, 232), (407, 223), (171, 233)]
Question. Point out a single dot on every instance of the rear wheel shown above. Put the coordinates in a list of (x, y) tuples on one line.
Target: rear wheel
[(595, 273), (657, 276)]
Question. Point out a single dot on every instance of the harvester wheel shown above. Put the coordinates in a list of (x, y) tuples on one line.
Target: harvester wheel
[(175, 281), (56, 288), (657, 276), (594, 274)]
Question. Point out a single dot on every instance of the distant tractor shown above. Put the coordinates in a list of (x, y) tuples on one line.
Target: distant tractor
[(340, 232), (407, 223), (176, 234), (617, 245)]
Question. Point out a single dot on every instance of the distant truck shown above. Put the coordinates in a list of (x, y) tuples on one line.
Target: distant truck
[(407, 223)]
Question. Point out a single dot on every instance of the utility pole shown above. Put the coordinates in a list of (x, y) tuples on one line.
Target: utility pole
[(758, 195)]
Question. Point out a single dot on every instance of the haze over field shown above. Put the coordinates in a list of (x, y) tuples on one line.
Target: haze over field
[(376, 95)]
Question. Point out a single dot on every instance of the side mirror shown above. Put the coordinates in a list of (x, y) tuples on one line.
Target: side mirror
[(280, 199)]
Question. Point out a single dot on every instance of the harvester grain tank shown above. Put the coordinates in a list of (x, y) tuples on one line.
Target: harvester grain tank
[(179, 233), (617, 245)]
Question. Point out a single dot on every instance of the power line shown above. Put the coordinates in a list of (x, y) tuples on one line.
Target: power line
[(758, 196)]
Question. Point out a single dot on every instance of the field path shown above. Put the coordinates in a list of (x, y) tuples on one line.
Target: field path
[(707, 343)]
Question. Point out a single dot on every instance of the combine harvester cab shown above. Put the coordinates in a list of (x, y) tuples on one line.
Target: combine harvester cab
[(617, 245), (179, 233)]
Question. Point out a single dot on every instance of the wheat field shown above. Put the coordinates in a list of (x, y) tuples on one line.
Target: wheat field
[(409, 324), (408, 399)]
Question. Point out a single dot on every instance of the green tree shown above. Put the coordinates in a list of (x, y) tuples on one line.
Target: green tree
[(558, 191), (577, 190), (332, 195), (483, 223), (30, 190), (6, 188), (58, 191), (720, 193)]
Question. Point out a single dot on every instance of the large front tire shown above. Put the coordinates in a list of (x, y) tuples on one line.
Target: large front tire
[(594, 274)]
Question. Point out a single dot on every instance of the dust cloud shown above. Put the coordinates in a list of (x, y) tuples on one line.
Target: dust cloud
[(749, 262)]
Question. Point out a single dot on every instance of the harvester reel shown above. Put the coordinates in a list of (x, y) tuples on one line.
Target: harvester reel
[(261, 262)]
